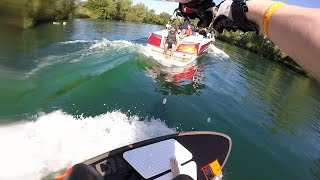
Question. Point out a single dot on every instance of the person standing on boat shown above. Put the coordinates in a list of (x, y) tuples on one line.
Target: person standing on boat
[(185, 24), (188, 32), (171, 41)]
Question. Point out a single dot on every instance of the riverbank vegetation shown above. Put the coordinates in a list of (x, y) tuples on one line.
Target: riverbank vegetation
[(120, 10), (27, 13), (256, 43)]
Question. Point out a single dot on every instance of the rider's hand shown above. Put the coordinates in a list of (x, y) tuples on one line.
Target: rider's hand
[(231, 16)]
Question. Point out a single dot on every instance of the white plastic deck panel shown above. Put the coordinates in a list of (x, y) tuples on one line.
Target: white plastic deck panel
[(154, 159)]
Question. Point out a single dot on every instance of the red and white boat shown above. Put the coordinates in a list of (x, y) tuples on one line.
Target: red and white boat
[(188, 50)]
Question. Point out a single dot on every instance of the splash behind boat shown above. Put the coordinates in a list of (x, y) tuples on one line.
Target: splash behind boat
[(188, 49)]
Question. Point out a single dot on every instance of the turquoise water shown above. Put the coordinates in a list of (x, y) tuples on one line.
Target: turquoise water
[(71, 92)]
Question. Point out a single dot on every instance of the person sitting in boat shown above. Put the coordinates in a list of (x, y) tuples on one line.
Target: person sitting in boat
[(188, 31), (171, 41)]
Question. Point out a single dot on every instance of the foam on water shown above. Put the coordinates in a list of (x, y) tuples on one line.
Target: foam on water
[(107, 43), (217, 52), (31, 150), (75, 41)]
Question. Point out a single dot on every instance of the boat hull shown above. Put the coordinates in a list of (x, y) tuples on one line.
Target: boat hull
[(187, 51)]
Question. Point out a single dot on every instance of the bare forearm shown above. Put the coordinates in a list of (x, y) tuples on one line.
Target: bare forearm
[(294, 29)]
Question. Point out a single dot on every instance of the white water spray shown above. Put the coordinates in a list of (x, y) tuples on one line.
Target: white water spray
[(31, 150)]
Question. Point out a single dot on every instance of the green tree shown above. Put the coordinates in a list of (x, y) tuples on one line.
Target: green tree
[(104, 9), (137, 13), (163, 18), (123, 6), (64, 9), (150, 17), (177, 21)]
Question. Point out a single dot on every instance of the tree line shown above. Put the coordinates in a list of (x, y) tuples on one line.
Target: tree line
[(121, 10), (27, 13)]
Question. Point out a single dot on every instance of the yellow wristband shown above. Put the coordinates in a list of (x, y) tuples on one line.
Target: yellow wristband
[(267, 15)]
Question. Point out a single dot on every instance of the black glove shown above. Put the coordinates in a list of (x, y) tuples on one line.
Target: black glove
[(231, 16)]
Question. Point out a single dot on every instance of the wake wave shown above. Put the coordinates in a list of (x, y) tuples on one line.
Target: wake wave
[(89, 48), (45, 62), (32, 150), (103, 46)]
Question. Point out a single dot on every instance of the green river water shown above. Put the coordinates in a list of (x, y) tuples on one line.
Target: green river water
[(68, 93)]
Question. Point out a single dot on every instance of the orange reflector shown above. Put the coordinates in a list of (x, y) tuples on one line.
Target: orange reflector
[(211, 170), (215, 167), (61, 177)]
